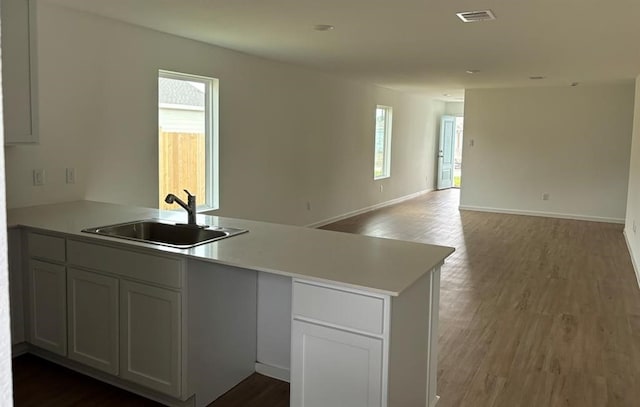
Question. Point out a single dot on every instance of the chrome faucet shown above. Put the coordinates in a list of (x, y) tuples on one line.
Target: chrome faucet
[(190, 206)]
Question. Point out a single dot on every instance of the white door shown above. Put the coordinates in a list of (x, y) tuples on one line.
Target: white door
[(446, 152), (150, 335), (93, 319), (332, 367), (48, 306)]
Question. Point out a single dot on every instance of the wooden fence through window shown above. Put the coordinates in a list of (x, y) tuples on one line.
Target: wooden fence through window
[(182, 166)]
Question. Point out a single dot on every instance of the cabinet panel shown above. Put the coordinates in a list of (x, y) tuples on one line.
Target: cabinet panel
[(16, 285), (19, 71), (331, 367), (93, 319), (48, 306), (150, 326)]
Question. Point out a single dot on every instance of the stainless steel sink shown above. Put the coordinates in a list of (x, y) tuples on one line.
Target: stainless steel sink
[(165, 233)]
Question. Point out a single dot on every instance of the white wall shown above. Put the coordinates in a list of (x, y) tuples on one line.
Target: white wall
[(454, 108), (6, 386), (570, 142), (633, 198), (288, 135)]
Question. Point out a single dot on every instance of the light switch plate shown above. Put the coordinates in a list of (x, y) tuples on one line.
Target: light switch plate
[(71, 175)]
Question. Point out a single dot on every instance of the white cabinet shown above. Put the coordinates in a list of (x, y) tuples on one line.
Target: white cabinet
[(339, 341), (334, 367), (181, 332), (141, 323), (358, 348), (150, 323), (19, 71), (48, 306), (47, 292), (92, 308)]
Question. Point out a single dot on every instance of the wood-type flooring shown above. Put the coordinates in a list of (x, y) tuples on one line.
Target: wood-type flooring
[(534, 312)]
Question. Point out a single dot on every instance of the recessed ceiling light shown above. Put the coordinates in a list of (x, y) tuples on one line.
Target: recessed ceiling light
[(536, 78), (475, 16), (472, 71), (575, 83), (323, 27)]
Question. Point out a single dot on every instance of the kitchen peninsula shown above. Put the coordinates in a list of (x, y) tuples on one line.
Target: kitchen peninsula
[(179, 325)]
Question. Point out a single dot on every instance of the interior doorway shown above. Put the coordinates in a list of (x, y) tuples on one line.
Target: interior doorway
[(450, 152)]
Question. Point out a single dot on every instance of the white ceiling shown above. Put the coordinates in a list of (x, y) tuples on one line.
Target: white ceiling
[(411, 45)]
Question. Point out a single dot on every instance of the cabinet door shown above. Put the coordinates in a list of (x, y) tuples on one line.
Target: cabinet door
[(92, 308), (48, 306), (19, 71), (331, 367), (150, 328)]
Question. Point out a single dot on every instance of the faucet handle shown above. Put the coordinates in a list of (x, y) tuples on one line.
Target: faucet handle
[(191, 199)]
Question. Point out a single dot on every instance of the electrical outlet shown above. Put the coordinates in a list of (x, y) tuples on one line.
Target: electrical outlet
[(308, 205), (381, 187), (634, 227), (71, 176), (38, 177), (545, 196)]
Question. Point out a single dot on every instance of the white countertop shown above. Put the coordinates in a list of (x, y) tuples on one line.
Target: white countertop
[(382, 265)]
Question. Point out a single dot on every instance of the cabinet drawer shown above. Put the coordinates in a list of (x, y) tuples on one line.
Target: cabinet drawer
[(46, 246), (336, 306), (139, 266)]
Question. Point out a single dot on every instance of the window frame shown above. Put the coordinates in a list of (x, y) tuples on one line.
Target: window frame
[(212, 150), (386, 153)]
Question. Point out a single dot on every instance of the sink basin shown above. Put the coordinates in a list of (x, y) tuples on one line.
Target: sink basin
[(166, 233)]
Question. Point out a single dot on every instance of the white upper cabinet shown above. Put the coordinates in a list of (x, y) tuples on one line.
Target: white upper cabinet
[(19, 84)]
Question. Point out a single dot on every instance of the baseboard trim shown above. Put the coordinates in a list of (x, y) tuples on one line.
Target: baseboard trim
[(367, 209), (276, 372), (19, 349), (633, 259), (541, 214)]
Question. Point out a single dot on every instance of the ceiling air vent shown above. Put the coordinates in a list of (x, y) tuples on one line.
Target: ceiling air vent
[(475, 16)]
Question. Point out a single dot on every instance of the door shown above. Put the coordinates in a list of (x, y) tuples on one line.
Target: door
[(150, 329), (446, 151), (93, 319), (48, 306), (332, 367)]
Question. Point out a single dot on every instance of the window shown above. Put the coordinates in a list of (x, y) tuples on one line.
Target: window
[(382, 144), (188, 138)]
